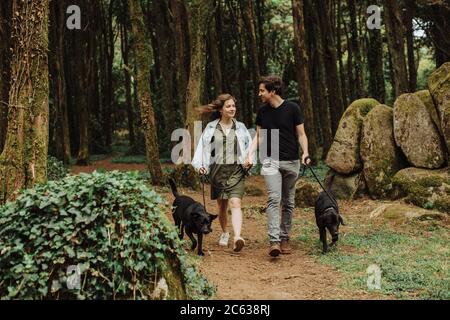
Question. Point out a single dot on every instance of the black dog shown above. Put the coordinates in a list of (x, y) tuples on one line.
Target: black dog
[(191, 216), (327, 216)]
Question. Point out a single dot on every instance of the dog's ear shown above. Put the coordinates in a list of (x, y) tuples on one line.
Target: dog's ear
[(212, 216), (341, 220)]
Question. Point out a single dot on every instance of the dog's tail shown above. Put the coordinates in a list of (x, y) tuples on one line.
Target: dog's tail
[(173, 187)]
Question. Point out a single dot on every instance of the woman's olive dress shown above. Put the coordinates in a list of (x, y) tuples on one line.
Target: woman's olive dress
[(226, 175)]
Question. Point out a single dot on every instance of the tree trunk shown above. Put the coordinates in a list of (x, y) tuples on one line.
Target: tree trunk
[(125, 47), (395, 35), (377, 88), (5, 70), (260, 10), (215, 60), (200, 13), (339, 54), (23, 161), (412, 69), (319, 90), (332, 78), (356, 50), (182, 53), (141, 50), (57, 25), (302, 63), (249, 21)]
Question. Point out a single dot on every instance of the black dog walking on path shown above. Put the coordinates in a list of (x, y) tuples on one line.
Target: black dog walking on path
[(191, 216)]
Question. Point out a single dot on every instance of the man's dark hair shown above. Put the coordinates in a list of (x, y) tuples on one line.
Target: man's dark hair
[(272, 83)]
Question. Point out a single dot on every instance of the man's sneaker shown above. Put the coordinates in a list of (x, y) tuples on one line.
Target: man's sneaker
[(275, 249), (285, 247), (224, 237)]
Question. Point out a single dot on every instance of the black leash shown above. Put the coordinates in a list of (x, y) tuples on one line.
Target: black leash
[(315, 176)]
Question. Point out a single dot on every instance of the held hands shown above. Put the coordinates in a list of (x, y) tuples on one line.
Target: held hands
[(248, 163)]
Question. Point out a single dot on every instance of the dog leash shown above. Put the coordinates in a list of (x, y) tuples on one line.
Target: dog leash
[(317, 179)]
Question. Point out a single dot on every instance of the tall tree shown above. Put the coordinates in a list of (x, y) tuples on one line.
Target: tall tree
[(412, 68), (182, 50), (302, 63), (125, 48), (249, 21), (57, 61), (396, 35), (375, 64), (340, 53), (330, 59), (5, 71), (143, 56), (356, 50), (23, 161), (200, 14)]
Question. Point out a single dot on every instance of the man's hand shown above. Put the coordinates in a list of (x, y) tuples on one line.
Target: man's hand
[(248, 163), (304, 156)]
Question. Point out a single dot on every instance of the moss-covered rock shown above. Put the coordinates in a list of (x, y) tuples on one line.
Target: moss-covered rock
[(347, 187), (416, 134), (400, 212), (343, 156), (306, 193), (427, 100), (439, 86), (429, 189), (379, 153)]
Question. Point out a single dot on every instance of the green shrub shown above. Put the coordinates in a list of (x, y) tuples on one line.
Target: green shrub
[(55, 169), (110, 225)]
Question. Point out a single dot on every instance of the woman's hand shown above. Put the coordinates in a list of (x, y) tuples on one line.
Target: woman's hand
[(202, 170), (248, 163)]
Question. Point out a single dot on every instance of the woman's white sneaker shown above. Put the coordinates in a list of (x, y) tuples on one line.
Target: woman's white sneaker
[(224, 238)]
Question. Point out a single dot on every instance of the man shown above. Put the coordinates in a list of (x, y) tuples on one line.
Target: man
[(281, 163)]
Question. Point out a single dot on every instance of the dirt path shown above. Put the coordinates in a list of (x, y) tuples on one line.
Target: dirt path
[(253, 274)]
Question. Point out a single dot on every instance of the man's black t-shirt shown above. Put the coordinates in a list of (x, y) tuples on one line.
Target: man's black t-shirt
[(284, 118)]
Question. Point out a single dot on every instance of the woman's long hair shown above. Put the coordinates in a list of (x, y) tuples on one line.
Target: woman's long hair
[(215, 106)]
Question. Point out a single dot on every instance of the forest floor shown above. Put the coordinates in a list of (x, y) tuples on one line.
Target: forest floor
[(413, 256)]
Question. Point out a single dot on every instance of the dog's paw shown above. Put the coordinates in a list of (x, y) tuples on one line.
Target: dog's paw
[(201, 253)]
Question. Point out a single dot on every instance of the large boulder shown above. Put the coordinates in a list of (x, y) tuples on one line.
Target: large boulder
[(425, 188), (347, 187), (379, 153), (427, 100), (343, 155), (439, 86), (416, 134), (306, 193)]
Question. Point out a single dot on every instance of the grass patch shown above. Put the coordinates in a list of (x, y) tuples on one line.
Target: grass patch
[(413, 265), (129, 159)]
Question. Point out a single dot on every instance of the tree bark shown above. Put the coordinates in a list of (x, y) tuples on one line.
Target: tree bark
[(125, 48), (356, 50), (339, 54), (200, 14), (249, 22), (143, 57), (302, 63), (5, 70), (395, 35), (62, 137), (215, 60), (260, 10), (332, 78), (182, 52), (412, 69), (23, 161)]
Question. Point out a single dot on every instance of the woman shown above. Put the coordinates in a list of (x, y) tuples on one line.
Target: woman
[(221, 151)]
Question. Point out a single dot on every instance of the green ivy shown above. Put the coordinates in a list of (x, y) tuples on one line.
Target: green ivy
[(55, 169), (111, 225)]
